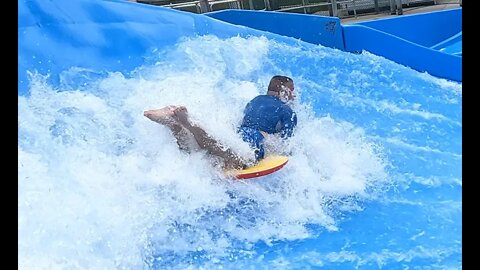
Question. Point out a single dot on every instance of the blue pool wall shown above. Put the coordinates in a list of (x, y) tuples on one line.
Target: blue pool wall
[(408, 39)]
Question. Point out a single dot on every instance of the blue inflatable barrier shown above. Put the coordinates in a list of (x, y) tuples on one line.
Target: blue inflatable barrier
[(423, 59), (54, 36), (410, 40), (405, 39), (425, 29), (451, 45), (314, 29)]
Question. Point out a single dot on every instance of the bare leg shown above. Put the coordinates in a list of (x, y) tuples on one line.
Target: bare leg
[(206, 142), (176, 118), (164, 116)]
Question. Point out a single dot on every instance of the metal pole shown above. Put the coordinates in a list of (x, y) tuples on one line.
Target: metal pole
[(204, 6), (267, 5), (376, 6), (393, 7), (334, 8), (354, 9), (399, 7)]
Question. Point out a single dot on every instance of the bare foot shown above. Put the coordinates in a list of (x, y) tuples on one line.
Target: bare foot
[(162, 116), (180, 114)]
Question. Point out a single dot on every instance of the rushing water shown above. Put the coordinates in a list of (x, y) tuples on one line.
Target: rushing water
[(374, 178)]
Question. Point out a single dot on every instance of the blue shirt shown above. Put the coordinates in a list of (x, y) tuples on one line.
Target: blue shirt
[(270, 114)]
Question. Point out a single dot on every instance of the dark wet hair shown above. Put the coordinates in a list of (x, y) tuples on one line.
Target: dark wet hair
[(277, 81)]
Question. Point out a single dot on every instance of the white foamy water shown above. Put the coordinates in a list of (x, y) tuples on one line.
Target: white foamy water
[(103, 187)]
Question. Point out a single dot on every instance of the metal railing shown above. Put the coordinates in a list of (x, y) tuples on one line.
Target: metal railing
[(337, 8), (197, 5), (332, 5)]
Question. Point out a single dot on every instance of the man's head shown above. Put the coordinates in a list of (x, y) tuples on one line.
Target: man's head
[(282, 87)]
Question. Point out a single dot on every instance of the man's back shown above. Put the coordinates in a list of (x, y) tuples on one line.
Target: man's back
[(268, 113)]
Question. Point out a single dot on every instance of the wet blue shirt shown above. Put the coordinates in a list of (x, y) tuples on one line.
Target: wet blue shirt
[(269, 114)]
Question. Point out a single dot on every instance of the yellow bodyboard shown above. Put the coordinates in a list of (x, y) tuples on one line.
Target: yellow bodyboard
[(265, 166)]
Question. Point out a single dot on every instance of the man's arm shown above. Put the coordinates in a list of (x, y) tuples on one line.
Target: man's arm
[(289, 122)]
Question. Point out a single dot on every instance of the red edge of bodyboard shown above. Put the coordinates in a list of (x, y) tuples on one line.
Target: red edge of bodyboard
[(262, 173)]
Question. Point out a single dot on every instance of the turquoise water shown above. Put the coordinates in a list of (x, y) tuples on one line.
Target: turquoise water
[(374, 179)]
